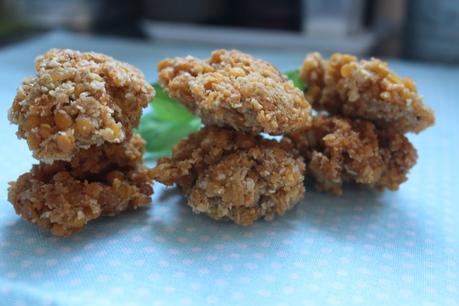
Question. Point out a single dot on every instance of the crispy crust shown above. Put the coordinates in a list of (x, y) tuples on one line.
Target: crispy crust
[(365, 89), (232, 175), (77, 100), (63, 197), (237, 90), (339, 150)]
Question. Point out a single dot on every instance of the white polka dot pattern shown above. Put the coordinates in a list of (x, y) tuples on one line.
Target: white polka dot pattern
[(394, 248)]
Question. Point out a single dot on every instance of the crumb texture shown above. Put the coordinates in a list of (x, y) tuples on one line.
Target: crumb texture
[(365, 89), (234, 89), (233, 175), (339, 150), (76, 100), (64, 196)]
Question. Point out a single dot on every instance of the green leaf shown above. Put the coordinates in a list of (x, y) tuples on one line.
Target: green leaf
[(165, 125), (294, 76), (168, 108), (169, 121)]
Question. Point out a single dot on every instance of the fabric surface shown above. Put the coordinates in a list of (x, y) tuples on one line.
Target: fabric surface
[(393, 248)]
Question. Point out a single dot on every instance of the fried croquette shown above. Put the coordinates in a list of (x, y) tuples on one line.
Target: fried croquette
[(365, 89), (339, 150), (62, 197), (234, 89), (233, 175), (76, 100)]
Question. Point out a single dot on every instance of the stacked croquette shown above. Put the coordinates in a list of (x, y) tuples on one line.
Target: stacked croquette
[(77, 114), (227, 170), (359, 134)]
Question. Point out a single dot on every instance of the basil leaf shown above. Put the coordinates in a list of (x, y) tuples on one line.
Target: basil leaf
[(294, 76), (165, 125)]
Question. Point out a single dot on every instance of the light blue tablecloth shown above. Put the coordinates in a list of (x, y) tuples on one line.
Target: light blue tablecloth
[(394, 248)]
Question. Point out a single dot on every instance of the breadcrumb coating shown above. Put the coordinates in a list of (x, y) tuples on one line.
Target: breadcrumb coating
[(365, 89), (339, 150), (62, 197), (233, 175), (76, 100), (234, 89)]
